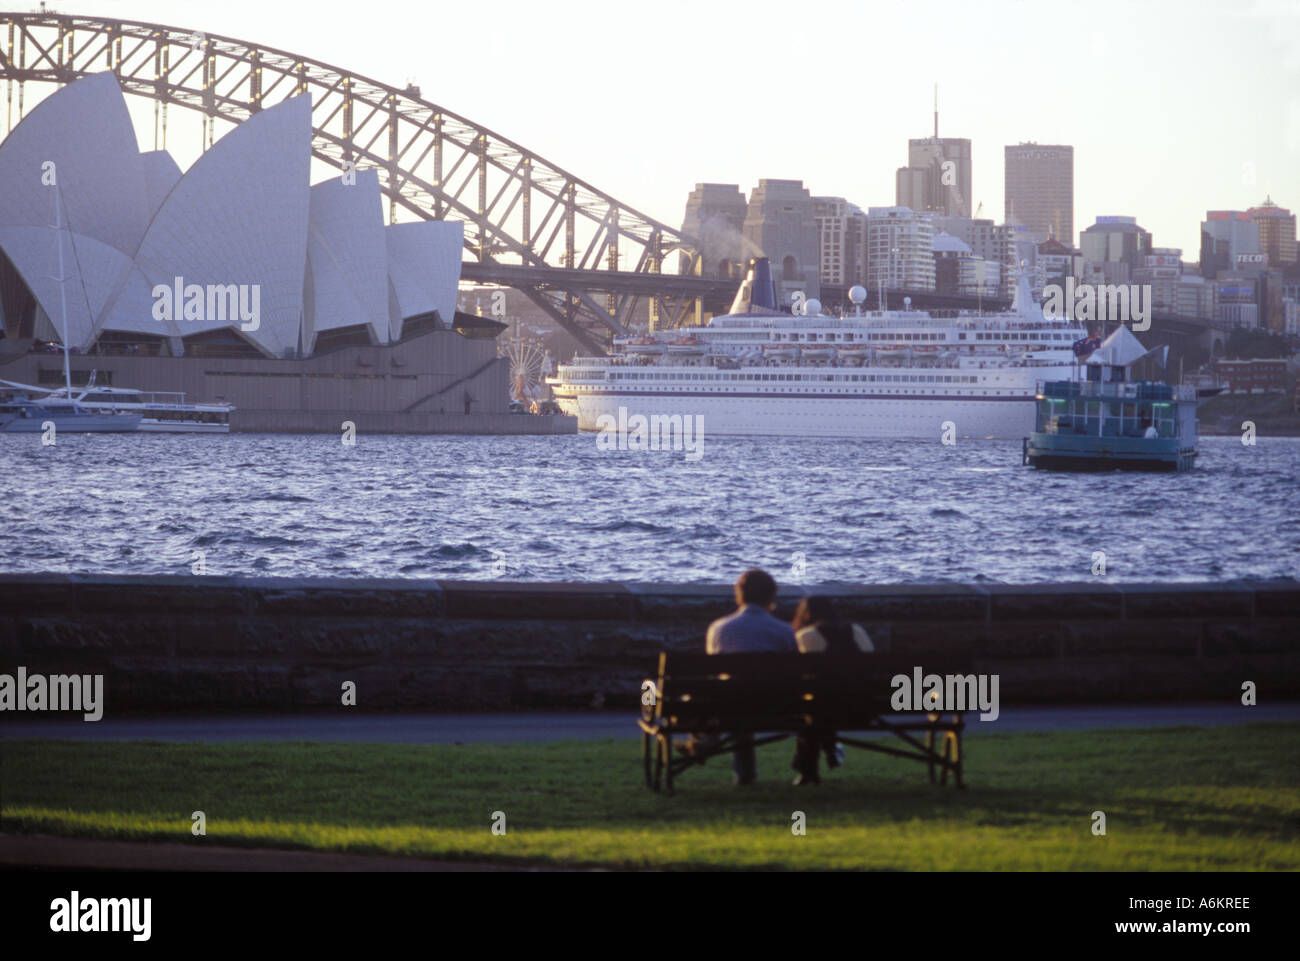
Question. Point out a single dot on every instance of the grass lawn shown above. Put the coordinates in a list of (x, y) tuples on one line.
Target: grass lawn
[(1180, 799)]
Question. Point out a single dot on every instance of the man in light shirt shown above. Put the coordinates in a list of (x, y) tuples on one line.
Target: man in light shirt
[(751, 629)]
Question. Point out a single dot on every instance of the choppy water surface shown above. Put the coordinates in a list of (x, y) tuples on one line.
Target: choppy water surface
[(556, 508)]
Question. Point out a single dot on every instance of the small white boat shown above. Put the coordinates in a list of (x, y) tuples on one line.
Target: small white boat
[(21, 415)]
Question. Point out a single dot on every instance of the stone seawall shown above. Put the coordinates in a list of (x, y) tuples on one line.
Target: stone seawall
[(269, 644)]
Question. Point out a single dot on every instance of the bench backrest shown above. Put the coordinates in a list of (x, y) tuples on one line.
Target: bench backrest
[(779, 691)]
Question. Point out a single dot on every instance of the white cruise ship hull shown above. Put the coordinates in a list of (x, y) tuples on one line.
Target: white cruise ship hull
[(867, 418)]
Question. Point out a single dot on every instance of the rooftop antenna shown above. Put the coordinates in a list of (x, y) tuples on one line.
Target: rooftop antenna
[(936, 111)]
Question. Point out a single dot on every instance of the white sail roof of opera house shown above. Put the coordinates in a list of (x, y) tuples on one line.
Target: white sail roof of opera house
[(320, 258), (239, 216), (347, 258), (85, 130), (424, 268)]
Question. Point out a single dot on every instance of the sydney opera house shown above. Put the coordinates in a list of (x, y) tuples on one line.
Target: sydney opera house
[(236, 280)]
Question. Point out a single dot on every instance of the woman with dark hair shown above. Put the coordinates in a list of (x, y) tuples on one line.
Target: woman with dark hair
[(819, 630)]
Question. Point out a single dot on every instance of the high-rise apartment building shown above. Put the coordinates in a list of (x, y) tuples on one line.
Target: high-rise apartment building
[(1039, 190), (842, 241), (900, 249)]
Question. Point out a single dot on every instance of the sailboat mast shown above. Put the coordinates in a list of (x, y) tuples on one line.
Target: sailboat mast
[(63, 295)]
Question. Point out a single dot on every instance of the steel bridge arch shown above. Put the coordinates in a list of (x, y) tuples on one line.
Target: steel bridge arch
[(431, 162)]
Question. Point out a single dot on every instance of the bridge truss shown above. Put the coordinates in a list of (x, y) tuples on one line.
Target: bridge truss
[(520, 211)]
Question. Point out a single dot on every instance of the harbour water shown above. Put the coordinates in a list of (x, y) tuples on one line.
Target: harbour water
[(557, 508)]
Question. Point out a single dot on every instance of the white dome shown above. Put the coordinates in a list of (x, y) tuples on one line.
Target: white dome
[(946, 243)]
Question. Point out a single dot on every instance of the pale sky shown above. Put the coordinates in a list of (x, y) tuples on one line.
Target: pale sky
[(1171, 105)]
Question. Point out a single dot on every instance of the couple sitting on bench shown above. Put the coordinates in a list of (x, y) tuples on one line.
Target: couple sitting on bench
[(753, 629)]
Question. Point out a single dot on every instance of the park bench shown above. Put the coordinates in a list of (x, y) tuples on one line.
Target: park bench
[(776, 696)]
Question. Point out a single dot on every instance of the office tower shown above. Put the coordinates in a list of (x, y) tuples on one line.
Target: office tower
[(937, 177), (1039, 190), (1277, 236), (1226, 235), (1113, 248)]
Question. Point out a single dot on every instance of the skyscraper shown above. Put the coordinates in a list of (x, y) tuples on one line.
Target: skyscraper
[(1039, 189), (937, 177), (1276, 232), (1226, 235)]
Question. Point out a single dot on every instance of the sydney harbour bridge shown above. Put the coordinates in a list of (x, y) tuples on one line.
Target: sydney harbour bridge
[(582, 256)]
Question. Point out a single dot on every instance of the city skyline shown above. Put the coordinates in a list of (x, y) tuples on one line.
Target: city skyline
[(1151, 138)]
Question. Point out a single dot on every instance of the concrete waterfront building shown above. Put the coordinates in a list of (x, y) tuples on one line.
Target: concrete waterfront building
[(715, 216), (1113, 248), (900, 249), (1039, 189), (236, 279), (1225, 235), (842, 241), (780, 223), (1277, 234)]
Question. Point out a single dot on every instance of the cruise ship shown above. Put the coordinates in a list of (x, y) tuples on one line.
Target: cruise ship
[(758, 371)]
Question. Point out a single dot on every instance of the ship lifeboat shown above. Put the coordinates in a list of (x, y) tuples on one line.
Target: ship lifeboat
[(818, 353), (685, 345), (780, 352), (894, 353)]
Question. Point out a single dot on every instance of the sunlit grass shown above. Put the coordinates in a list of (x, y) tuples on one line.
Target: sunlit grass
[(1174, 799)]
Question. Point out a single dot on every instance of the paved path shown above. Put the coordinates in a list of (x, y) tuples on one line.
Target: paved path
[(569, 726)]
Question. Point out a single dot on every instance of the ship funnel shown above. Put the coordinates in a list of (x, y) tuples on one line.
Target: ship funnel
[(757, 293)]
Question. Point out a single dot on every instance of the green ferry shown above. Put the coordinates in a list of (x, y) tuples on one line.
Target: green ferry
[(1119, 416)]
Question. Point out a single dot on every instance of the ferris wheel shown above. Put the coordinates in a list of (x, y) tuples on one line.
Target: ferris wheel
[(530, 364)]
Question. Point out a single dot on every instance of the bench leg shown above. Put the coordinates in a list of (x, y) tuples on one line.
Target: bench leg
[(929, 750), (668, 763), (659, 762), (956, 740), (646, 745), (947, 746)]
